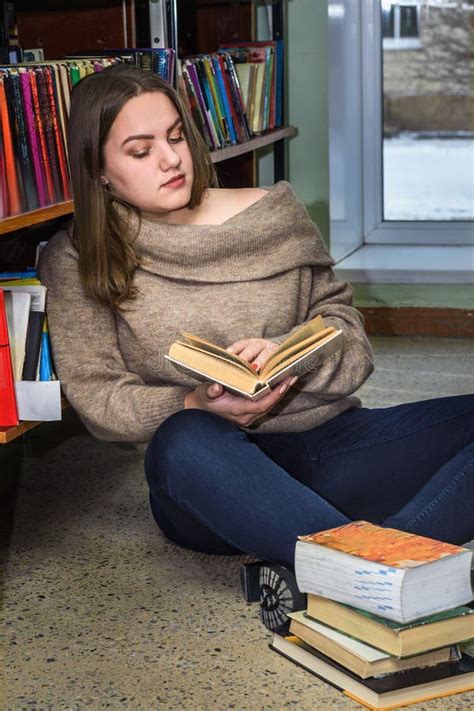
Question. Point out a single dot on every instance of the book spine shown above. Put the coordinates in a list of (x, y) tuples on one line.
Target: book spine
[(16, 139), (230, 99), (196, 110), (47, 122), (203, 83), (222, 94), (12, 205), (30, 197), (57, 135), (33, 139), (215, 98), (33, 344), (237, 98), (45, 362), (193, 75), (8, 407)]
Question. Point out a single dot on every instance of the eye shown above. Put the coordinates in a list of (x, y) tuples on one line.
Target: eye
[(143, 154), (176, 139)]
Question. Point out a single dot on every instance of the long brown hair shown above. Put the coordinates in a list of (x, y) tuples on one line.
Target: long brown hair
[(101, 230)]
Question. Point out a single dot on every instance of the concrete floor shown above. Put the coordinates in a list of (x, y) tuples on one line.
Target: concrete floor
[(102, 612)]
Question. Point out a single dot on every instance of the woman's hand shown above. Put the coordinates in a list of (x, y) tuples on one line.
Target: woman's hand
[(254, 350), (235, 408)]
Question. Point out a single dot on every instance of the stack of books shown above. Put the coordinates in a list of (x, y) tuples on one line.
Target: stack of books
[(29, 388), (387, 619)]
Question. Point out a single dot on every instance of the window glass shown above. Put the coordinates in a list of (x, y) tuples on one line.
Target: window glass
[(428, 100), (388, 17), (409, 21)]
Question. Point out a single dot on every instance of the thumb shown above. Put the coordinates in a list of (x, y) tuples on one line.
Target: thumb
[(214, 391)]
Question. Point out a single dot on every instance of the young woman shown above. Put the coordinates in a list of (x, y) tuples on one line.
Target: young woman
[(156, 249)]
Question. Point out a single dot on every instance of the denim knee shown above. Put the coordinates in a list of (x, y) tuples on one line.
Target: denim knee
[(180, 440)]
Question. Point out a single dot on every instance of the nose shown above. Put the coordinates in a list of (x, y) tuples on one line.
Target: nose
[(169, 158)]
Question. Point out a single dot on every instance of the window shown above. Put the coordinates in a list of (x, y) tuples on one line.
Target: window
[(401, 138), (400, 25)]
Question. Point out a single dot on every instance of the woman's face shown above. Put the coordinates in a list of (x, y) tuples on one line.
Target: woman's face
[(147, 159)]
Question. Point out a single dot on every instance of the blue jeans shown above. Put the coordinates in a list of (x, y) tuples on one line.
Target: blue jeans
[(218, 489)]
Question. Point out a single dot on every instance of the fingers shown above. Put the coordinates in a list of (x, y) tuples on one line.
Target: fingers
[(254, 350), (264, 355), (214, 391)]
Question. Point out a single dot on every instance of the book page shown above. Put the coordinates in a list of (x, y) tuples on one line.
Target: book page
[(208, 347), (307, 329), (331, 342), (214, 366), (285, 357)]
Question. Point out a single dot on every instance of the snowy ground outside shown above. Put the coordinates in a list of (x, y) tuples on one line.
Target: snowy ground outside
[(428, 178)]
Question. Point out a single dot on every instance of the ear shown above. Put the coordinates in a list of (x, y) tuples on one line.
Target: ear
[(104, 180)]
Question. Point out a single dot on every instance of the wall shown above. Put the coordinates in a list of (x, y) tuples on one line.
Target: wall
[(430, 88), (306, 92)]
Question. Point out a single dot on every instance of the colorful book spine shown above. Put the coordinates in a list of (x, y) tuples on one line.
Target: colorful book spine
[(8, 408), (58, 139), (46, 363), (12, 205), (35, 147)]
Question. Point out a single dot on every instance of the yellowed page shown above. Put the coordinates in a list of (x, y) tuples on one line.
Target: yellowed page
[(214, 366), (308, 329), (313, 348), (208, 347), (283, 356)]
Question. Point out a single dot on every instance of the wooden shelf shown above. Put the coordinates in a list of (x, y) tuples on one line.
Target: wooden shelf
[(265, 139), (8, 434), (28, 219)]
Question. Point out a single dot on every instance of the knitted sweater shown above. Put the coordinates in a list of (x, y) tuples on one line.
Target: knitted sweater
[(260, 274)]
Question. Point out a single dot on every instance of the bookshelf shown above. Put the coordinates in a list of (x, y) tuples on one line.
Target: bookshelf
[(192, 26)]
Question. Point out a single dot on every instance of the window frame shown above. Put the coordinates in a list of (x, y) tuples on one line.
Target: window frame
[(375, 229), (397, 42)]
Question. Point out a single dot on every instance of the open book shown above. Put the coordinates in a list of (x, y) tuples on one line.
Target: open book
[(302, 352)]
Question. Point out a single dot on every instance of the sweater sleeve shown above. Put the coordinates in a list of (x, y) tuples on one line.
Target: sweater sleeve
[(344, 372), (112, 402)]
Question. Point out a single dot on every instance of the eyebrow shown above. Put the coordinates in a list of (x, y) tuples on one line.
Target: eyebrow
[(148, 136)]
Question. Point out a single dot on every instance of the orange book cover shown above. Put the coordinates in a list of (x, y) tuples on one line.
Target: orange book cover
[(388, 546), (14, 199), (42, 137)]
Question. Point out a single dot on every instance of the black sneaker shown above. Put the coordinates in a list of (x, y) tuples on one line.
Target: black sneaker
[(279, 595)]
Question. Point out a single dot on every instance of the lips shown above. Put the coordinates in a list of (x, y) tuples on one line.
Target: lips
[(174, 181)]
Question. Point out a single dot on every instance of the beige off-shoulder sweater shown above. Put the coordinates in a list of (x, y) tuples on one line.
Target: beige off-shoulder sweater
[(260, 274)]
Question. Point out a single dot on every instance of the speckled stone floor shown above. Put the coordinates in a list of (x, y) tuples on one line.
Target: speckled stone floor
[(102, 612)]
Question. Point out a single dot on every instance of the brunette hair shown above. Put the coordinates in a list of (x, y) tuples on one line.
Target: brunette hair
[(101, 231)]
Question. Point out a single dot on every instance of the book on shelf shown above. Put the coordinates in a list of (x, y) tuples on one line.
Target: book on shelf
[(303, 351), (386, 691), (159, 60), (211, 89), (8, 407), (17, 306), (395, 574), (34, 109), (35, 388), (360, 658), (259, 66), (397, 638)]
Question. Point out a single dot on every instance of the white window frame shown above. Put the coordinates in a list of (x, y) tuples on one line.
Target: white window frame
[(375, 229), (397, 42)]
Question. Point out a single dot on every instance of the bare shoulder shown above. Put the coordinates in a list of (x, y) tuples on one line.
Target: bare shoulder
[(227, 202)]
